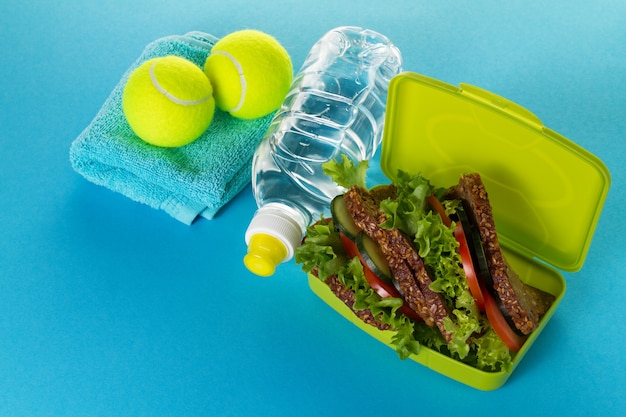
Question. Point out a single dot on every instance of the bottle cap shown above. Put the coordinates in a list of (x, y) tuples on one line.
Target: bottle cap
[(272, 238), (265, 252)]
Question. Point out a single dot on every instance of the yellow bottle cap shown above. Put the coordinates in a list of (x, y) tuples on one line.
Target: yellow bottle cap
[(265, 252)]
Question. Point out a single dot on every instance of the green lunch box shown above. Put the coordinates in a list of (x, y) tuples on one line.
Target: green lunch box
[(547, 193)]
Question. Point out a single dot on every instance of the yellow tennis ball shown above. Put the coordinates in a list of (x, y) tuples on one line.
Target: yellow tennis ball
[(168, 101), (250, 72)]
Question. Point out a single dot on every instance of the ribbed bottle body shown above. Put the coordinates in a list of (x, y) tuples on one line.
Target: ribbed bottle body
[(336, 105)]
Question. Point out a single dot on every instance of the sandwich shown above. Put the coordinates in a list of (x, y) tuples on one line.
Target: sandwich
[(425, 263)]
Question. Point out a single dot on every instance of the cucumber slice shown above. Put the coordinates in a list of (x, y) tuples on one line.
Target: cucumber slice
[(374, 257), (342, 218), (476, 247)]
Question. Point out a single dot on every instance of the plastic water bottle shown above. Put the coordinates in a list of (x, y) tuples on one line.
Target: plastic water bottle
[(336, 105)]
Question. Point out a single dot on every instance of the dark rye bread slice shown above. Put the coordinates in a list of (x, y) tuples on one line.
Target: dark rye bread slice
[(406, 266), (525, 305)]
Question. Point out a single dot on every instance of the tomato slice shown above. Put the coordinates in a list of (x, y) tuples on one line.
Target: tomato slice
[(468, 267), (349, 245), (508, 336), (382, 287), (464, 251), (438, 207)]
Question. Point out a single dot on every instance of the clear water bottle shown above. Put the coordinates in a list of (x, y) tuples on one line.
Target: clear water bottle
[(336, 105)]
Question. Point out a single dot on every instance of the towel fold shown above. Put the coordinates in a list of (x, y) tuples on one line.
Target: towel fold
[(186, 182)]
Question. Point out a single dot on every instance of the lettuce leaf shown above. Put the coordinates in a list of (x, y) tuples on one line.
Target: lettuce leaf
[(320, 249), (406, 211), (491, 353), (344, 173)]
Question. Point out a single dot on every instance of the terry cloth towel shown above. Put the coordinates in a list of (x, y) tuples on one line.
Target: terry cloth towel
[(186, 182)]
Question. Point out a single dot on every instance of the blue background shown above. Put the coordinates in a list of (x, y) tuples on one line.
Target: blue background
[(111, 308)]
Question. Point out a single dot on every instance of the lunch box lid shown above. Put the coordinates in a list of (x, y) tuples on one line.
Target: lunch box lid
[(546, 192)]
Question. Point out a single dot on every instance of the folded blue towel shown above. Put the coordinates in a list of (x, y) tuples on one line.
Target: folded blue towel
[(186, 182)]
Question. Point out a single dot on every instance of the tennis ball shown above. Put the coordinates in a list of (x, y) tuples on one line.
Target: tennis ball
[(168, 101), (250, 72)]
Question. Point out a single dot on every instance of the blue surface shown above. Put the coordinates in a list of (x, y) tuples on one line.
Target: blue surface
[(111, 308)]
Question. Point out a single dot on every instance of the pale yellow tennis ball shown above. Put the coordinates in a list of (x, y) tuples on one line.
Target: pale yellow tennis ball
[(251, 73), (168, 101)]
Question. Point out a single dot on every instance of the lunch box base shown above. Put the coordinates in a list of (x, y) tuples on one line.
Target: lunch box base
[(534, 273)]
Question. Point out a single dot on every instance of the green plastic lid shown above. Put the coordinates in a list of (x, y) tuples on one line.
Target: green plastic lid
[(547, 192)]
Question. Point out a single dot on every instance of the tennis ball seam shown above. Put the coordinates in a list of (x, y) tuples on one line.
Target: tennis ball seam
[(242, 79), (171, 96)]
